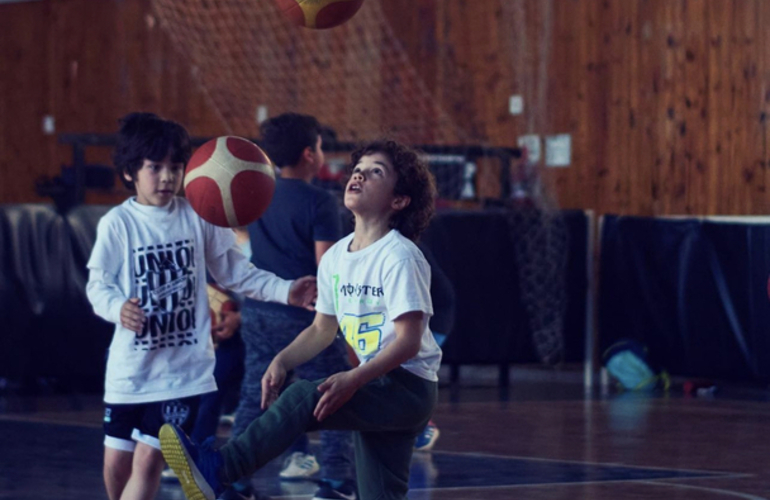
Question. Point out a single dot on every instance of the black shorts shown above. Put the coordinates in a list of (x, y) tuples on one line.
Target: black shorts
[(127, 424)]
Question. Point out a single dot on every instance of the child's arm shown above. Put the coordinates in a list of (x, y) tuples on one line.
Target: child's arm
[(234, 271), (340, 387), (103, 290), (313, 339), (231, 269), (109, 302)]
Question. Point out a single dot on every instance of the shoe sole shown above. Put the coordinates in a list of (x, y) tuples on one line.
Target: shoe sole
[(299, 477), (190, 478)]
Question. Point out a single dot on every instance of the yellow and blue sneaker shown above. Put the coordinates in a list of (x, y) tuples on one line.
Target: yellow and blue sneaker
[(198, 467)]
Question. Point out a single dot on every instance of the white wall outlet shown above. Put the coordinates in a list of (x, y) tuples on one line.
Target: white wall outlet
[(261, 113), (49, 125), (516, 104), (558, 150)]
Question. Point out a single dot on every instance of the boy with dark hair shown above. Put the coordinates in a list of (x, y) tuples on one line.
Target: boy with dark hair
[(147, 274), (289, 239), (375, 285), (286, 136)]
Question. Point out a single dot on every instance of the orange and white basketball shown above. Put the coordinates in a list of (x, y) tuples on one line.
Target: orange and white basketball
[(229, 181), (319, 14)]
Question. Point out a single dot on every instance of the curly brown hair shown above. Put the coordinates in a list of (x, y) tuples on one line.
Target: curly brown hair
[(415, 180)]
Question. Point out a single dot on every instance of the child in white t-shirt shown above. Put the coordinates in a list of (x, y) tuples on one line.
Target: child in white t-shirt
[(375, 285), (147, 274)]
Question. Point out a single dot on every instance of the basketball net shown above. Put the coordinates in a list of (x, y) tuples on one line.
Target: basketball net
[(245, 55), (537, 227)]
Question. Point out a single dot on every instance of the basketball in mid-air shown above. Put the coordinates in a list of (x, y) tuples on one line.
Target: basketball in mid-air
[(229, 181), (319, 14)]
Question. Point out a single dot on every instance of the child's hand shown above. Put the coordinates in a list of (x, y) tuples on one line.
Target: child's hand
[(231, 321), (303, 292), (272, 382), (337, 390), (132, 316)]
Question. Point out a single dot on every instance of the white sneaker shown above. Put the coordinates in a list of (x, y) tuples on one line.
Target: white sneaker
[(299, 465)]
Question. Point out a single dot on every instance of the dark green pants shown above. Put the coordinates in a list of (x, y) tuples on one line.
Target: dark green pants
[(388, 413)]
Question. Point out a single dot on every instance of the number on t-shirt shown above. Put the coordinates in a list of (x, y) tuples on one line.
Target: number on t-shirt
[(362, 332)]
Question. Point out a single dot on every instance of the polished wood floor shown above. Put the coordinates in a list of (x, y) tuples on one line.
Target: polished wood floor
[(539, 440)]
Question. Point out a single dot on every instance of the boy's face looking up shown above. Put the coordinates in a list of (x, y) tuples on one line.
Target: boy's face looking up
[(157, 182), (370, 190)]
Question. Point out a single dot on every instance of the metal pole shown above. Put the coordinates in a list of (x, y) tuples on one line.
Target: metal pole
[(588, 373)]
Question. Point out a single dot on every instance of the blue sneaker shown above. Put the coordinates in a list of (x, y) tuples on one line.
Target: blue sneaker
[(327, 491), (197, 467), (428, 438)]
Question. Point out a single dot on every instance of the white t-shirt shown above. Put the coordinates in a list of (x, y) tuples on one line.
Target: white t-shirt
[(368, 289), (160, 256)]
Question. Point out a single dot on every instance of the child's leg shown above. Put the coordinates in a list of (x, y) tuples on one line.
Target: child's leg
[(229, 361), (231, 394), (264, 335), (336, 458), (389, 414), (119, 422), (382, 464), (268, 436), (117, 470), (145, 475), (208, 415), (399, 403)]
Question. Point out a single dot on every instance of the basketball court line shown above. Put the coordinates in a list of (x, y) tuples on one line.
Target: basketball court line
[(711, 473), (20, 417), (706, 473), (611, 481), (583, 483), (666, 481), (746, 496), (470, 471)]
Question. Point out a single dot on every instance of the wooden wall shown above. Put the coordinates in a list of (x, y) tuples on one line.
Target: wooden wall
[(666, 100), (86, 63)]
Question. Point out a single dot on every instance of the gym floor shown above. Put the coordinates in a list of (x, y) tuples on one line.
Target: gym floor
[(539, 439)]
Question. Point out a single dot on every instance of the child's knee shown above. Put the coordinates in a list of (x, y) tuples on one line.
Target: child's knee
[(301, 390), (148, 462), (117, 463), (301, 387)]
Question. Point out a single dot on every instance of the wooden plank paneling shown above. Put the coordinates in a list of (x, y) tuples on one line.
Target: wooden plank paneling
[(24, 82), (720, 151), (667, 101), (647, 114), (764, 105), (692, 53), (86, 64)]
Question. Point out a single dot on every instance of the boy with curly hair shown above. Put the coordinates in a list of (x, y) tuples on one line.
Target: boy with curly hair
[(375, 286)]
